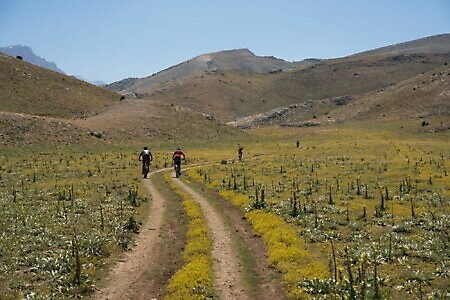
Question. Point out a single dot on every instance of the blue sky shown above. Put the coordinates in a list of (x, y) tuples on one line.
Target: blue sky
[(112, 40)]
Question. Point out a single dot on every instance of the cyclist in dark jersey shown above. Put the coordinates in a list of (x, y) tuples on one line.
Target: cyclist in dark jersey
[(240, 151), (146, 157)]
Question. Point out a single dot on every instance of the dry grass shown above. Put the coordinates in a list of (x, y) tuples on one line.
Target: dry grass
[(26, 88)]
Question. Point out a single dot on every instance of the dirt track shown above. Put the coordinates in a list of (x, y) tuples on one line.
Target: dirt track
[(132, 277), (127, 279), (227, 274)]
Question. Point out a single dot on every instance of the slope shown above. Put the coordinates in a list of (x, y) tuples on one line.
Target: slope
[(29, 89), (241, 60), (236, 92), (39, 107), (27, 54), (232, 95), (426, 96), (437, 44)]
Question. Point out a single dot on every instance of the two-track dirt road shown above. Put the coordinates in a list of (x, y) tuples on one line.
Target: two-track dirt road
[(131, 277)]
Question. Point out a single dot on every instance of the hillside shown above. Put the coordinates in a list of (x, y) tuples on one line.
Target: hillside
[(28, 55), (26, 88), (242, 60), (425, 97), (39, 106), (231, 94), (438, 44)]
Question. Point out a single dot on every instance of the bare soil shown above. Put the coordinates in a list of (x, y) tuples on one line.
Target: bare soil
[(130, 279), (144, 271)]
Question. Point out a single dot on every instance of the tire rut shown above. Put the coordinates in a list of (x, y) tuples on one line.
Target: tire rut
[(129, 277), (226, 265), (133, 275)]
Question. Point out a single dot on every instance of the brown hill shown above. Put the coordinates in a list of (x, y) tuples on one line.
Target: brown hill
[(233, 95), (241, 60), (39, 106), (426, 96), (229, 94), (137, 120), (437, 44), (29, 89)]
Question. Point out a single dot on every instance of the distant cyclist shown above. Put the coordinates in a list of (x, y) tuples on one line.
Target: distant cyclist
[(240, 152), (146, 157), (176, 157)]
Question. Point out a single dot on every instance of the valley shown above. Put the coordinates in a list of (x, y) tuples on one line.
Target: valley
[(343, 190)]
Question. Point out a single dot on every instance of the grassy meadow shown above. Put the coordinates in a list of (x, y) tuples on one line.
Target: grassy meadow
[(357, 210), (65, 214)]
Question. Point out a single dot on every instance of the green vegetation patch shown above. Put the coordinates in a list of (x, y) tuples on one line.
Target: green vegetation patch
[(194, 279), (369, 202), (64, 216)]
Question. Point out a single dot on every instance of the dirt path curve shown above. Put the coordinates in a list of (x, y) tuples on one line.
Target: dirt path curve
[(226, 265), (128, 278)]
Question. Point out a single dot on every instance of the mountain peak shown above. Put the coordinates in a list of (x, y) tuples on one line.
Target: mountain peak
[(28, 55)]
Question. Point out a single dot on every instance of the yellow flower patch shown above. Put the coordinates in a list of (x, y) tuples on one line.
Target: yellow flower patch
[(287, 252), (237, 199), (194, 280)]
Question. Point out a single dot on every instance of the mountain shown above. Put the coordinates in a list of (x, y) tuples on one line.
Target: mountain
[(197, 99), (228, 86), (39, 106), (30, 89), (28, 55), (241, 60), (231, 95), (94, 82), (438, 44)]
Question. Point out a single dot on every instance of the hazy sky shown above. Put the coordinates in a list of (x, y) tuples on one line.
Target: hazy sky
[(111, 40)]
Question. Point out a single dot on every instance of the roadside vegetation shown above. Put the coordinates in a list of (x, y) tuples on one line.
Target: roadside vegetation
[(194, 279), (65, 215), (355, 211)]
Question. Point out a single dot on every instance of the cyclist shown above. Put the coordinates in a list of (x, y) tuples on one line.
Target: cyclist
[(240, 151), (176, 157), (146, 157)]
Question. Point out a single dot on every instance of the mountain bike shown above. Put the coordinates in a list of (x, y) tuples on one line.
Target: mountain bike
[(177, 167), (145, 168)]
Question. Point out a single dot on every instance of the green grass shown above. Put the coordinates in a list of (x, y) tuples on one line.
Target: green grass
[(331, 191), (57, 202), (64, 216)]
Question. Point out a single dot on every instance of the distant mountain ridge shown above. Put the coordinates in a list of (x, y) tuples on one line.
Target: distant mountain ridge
[(403, 82), (437, 44), (229, 86), (28, 55), (241, 60)]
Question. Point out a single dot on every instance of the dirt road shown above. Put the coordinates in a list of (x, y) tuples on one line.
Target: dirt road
[(128, 278), (227, 273), (132, 277)]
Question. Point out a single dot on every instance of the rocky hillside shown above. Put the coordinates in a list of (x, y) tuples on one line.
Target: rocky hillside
[(231, 95), (27, 54), (241, 60), (424, 97), (39, 106)]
